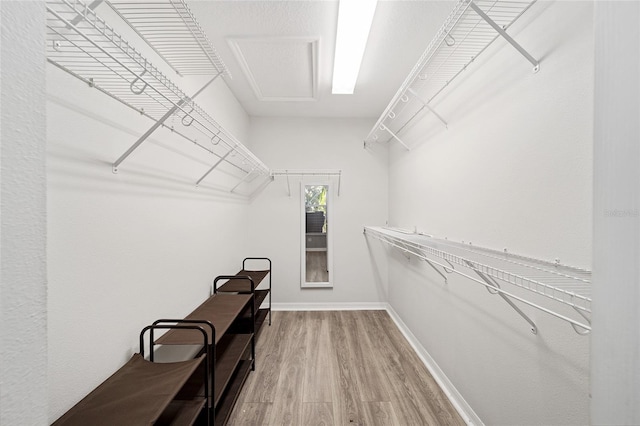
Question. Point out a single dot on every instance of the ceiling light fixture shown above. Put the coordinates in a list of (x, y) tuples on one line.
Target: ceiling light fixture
[(354, 23)]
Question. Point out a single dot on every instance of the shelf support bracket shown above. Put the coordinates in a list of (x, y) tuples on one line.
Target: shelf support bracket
[(580, 330), (243, 180), (427, 106), (261, 187), (444, 277), (288, 184), (492, 283), (75, 21), (507, 37), (383, 127), (215, 165), (159, 123)]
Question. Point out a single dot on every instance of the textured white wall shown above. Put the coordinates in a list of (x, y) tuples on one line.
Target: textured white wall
[(513, 170), (23, 344), (127, 248), (274, 218), (615, 363)]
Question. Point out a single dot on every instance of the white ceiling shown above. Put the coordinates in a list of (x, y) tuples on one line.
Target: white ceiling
[(280, 53)]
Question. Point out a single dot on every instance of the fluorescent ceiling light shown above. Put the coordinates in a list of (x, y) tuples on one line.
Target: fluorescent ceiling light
[(354, 23)]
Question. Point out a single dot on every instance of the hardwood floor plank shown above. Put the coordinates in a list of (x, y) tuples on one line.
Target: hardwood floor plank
[(317, 383), (380, 414), (418, 382), (316, 268), (317, 414), (251, 414), (346, 393), (269, 359), (287, 405), (365, 366), (342, 368)]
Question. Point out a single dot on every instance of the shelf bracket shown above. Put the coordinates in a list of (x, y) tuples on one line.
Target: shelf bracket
[(215, 165), (75, 21), (288, 185), (492, 283), (383, 127), (507, 37), (580, 330), (427, 106), (243, 179), (158, 123), (435, 269)]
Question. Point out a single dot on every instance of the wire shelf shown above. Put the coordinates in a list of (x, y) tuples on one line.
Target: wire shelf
[(464, 35), (84, 45), (568, 285), (169, 27)]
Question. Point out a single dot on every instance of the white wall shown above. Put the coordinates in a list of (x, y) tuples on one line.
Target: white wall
[(23, 333), (513, 170), (274, 217), (127, 248), (615, 359)]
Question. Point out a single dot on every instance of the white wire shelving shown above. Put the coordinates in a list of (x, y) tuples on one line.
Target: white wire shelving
[(564, 285), (170, 28), (327, 173), (84, 45), (469, 30)]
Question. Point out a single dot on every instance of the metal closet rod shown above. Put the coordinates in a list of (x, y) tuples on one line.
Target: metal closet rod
[(579, 327), (444, 40), (141, 83), (109, 33), (144, 114), (426, 55), (309, 172), (577, 301)]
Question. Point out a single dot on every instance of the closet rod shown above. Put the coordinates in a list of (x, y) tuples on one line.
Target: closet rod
[(572, 299), (90, 83), (471, 27), (159, 123), (302, 173), (94, 52)]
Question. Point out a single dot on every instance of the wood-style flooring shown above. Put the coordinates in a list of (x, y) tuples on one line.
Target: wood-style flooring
[(339, 368), (316, 267)]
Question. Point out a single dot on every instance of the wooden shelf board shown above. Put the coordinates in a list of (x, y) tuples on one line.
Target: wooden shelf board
[(220, 309), (230, 396)]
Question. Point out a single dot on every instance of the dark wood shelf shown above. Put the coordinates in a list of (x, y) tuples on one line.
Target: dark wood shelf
[(243, 286), (228, 356), (261, 316), (140, 392), (181, 413), (229, 397), (220, 309), (230, 314), (172, 391)]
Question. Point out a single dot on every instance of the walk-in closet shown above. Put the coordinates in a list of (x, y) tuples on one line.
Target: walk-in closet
[(320, 212)]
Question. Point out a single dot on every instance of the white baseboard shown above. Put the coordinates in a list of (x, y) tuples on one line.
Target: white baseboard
[(459, 403), (356, 306)]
